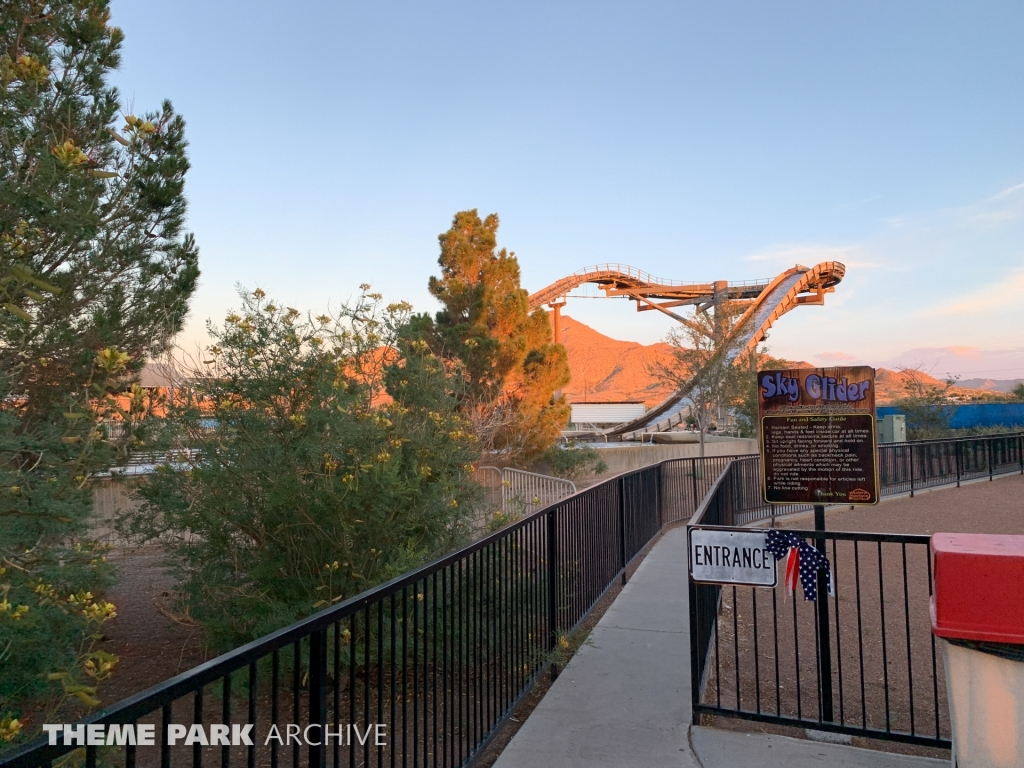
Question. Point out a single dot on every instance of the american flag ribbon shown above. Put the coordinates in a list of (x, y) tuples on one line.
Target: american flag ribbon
[(802, 562)]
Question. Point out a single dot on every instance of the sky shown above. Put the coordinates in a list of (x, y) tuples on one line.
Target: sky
[(331, 142)]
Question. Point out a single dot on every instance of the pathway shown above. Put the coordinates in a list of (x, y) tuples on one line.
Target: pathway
[(624, 699)]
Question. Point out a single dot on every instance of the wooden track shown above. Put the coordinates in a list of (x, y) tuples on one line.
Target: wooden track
[(767, 301)]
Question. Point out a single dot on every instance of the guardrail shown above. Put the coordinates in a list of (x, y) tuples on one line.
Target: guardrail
[(515, 492), (912, 466), (647, 277), (862, 663), (441, 656), (526, 492)]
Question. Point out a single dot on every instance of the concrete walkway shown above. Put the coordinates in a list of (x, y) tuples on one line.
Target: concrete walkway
[(624, 699)]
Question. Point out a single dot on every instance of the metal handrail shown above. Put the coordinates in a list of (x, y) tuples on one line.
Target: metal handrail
[(565, 557), (551, 567), (647, 277), (717, 628)]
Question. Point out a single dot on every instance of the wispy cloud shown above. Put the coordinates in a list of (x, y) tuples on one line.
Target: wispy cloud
[(1008, 191), (969, 362), (991, 298), (835, 357), (1003, 206)]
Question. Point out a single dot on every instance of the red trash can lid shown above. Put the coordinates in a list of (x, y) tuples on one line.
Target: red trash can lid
[(979, 587)]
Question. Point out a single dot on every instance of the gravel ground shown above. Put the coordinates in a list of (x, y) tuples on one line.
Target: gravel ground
[(980, 506)]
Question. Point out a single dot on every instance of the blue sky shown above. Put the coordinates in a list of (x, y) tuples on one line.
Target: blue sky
[(332, 142)]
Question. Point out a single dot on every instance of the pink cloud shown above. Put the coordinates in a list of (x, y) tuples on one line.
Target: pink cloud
[(969, 362), (835, 357)]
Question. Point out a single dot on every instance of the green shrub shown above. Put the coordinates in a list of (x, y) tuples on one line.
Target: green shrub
[(49, 571), (574, 461), (331, 458)]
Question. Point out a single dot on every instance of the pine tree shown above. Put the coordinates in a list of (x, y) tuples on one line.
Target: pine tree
[(511, 369), (95, 277), (92, 252)]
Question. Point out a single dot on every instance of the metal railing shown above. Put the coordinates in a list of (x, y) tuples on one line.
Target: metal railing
[(648, 278), (908, 467), (515, 492), (863, 662), (527, 492), (866, 665), (439, 657)]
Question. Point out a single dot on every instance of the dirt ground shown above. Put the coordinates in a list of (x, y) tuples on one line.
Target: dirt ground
[(980, 506), (151, 644), (887, 671)]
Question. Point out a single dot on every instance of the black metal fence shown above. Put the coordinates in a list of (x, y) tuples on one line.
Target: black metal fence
[(439, 658), (426, 667), (907, 467), (862, 663)]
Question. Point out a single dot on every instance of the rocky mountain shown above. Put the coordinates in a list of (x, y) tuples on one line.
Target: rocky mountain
[(991, 385), (609, 370)]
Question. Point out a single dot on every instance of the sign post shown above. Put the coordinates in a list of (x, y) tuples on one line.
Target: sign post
[(818, 446)]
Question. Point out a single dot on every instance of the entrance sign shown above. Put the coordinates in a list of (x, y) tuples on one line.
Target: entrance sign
[(731, 556), (818, 442)]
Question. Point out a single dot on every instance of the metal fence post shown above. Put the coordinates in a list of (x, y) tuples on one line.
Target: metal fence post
[(695, 650), (657, 496), (824, 634), (956, 446), (622, 528), (1020, 451), (911, 447), (553, 586), (989, 443), (318, 695), (696, 498)]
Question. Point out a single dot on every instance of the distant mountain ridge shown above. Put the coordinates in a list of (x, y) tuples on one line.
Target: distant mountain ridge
[(991, 385), (609, 370)]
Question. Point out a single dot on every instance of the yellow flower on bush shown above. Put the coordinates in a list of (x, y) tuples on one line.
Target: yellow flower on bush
[(69, 155), (16, 612), (99, 611), (111, 360), (10, 727), (137, 124), (100, 665)]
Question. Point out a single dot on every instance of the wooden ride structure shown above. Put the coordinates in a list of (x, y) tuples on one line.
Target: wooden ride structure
[(762, 303)]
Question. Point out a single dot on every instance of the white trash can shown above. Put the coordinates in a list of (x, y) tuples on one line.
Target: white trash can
[(977, 610)]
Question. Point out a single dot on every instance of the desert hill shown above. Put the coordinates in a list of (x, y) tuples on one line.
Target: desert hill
[(891, 385), (609, 370), (991, 385)]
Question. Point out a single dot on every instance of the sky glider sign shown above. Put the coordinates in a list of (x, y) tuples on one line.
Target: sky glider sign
[(818, 442)]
